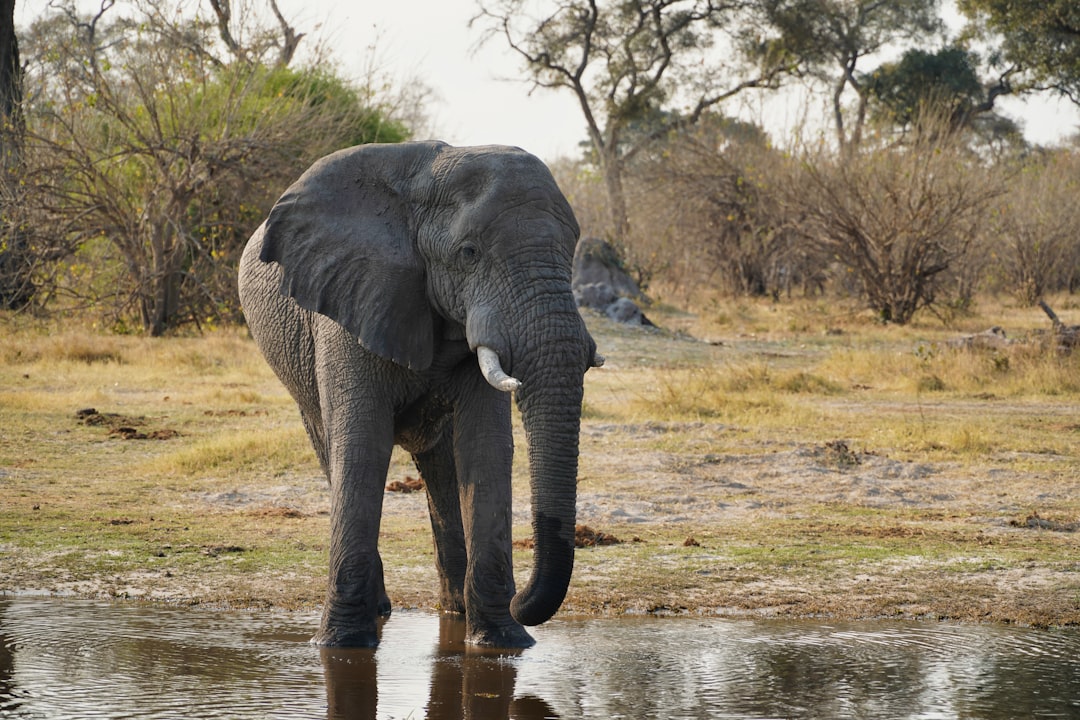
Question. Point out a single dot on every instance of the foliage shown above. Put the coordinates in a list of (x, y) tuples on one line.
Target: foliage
[(947, 77), (1038, 38), (148, 164), (156, 140), (831, 37), (944, 84)]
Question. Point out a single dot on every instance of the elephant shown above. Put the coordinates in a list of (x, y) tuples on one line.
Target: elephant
[(403, 293)]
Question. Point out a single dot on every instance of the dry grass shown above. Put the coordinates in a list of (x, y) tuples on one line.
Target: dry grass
[(821, 464)]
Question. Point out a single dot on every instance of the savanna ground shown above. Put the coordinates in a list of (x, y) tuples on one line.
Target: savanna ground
[(760, 459)]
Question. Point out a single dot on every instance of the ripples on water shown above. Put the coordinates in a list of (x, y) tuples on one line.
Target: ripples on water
[(80, 659)]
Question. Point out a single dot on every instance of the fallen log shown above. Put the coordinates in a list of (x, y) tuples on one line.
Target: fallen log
[(992, 339), (1067, 337)]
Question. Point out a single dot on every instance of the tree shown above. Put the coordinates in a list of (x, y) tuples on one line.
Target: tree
[(16, 287), (940, 85), (1039, 40), (639, 69), (152, 162), (832, 38)]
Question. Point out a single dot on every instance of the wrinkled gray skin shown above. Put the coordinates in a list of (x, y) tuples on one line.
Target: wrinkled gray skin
[(369, 288)]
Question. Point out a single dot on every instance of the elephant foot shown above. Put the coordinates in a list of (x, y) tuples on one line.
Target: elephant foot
[(508, 636), (344, 626), (346, 637), (452, 602)]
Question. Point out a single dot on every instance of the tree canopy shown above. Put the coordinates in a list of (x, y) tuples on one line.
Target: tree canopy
[(1039, 39), (638, 68), (833, 40)]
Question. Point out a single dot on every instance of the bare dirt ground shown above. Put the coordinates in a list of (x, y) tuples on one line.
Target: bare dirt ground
[(781, 529), (854, 534)]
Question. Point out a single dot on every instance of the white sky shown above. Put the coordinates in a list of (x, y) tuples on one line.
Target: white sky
[(480, 95), (483, 98)]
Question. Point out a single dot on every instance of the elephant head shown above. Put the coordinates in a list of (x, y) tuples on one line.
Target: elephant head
[(410, 247)]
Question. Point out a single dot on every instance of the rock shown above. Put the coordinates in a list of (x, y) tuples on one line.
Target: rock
[(594, 295), (625, 311), (600, 283)]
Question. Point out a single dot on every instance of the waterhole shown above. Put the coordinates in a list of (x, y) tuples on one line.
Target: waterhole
[(63, 658)]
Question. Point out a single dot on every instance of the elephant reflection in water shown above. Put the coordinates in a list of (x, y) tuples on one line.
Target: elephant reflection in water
[(466, 681)]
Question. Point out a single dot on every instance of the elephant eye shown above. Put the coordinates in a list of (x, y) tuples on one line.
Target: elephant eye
[(468, 252)]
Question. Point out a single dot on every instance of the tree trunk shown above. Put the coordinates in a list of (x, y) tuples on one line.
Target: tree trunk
[(11, 134), (161, 292), (16, 288), (620, 223)]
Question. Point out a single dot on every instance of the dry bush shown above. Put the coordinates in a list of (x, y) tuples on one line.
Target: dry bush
[(896, 219), (1032, 229), (705, 217), (583, 187)]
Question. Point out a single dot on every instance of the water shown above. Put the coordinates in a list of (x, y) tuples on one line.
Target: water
[(83, 659)]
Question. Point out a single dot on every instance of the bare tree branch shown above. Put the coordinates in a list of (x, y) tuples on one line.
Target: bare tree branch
[(290, 39), (223, 11)]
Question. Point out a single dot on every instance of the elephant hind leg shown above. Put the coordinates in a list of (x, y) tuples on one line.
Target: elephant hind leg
[(436, 467), (314, 427)]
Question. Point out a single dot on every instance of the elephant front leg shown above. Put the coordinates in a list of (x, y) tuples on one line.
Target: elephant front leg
[(484, 450), (356, 594)]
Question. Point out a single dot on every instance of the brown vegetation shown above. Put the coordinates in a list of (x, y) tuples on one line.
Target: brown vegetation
[(926, 225)]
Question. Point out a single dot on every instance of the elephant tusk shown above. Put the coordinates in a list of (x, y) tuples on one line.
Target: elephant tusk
[(493, 372), (598, 360)]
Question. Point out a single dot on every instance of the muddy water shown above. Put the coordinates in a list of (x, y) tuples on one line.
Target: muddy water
[(80, 659)]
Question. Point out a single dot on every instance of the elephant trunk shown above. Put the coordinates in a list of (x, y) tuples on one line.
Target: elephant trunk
[(550, 401)]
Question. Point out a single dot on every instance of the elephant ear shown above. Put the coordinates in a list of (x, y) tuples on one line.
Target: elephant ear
[(345, 244)]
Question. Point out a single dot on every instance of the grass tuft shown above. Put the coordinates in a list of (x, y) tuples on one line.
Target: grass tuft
[(66, 347), (276, 451)]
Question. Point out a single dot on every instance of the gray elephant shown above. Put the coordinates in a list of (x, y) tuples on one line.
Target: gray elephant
[(402, 293)]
